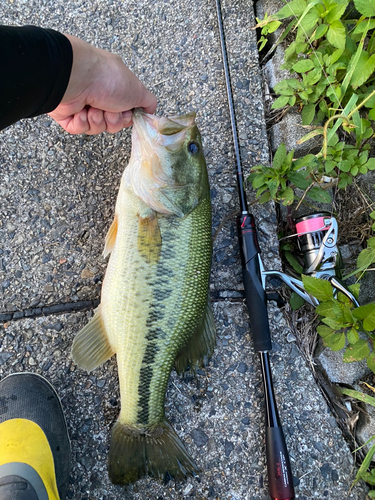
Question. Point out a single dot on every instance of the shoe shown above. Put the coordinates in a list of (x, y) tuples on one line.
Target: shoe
[(34, 441)]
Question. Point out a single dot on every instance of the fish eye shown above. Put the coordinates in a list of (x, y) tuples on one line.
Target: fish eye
[(193, 147)]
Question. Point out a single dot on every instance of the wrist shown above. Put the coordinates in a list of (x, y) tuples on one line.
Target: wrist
[(83, 68)]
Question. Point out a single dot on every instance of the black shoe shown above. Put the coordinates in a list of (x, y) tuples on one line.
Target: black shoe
[(34, 441)]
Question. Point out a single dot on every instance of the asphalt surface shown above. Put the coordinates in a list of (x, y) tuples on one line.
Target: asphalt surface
[(57, 195)]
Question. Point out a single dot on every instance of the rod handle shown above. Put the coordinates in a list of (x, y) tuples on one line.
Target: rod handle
[(279, 470), (256, 299)]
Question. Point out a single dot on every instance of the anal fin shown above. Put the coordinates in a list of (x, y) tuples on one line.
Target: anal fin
[(91, 347), (149, 238), (110, 239), (200, 347)]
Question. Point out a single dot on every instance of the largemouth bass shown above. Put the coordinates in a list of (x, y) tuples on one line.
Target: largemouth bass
[(154, 310)]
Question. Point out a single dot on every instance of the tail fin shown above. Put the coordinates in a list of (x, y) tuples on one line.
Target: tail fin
[(157, 452)]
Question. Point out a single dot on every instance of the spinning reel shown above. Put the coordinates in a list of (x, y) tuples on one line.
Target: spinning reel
[(317, 240)]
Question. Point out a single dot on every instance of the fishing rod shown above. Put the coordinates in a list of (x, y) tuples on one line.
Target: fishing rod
[(317, 236), (280, 478)]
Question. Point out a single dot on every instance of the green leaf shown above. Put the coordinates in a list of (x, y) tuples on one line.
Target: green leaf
[(310, 135), (320, 31), (308, 113), (293, 262), (369, 478), (366, 462), (355, 289), (357, 395), (365, 7), (324, 331), (348, 108), (336, 341), (321, 289), (258, 181), (329, 165), (329, 309), (280, 102), (279, 156), (336, 34), (303, 65), (371, 361), (361, 26), (310, 21), (371, 114), (337, 11), (345, 165), (265, 197), (318, 194), (294, 8), (296, 301), (286, 196), (313, 76), (347, 313), (299, 179), (367, 315), (352, 336), (273, 186), (356, 352), (333, 323), (272, 26), (335, 56), (364, 69), (371, 164), (354, 171), (366, 257), (353, 65)]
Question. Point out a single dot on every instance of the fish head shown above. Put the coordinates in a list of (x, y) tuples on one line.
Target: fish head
[(167, 169)]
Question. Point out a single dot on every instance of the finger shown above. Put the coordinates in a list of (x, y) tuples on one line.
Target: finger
[(77, 124), (127, 118), (114, 122), (96, 121)]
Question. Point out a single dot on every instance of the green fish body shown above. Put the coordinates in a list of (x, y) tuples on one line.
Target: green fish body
[(154, 312)]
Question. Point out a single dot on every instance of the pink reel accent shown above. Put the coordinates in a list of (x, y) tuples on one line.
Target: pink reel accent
[(311, 225)]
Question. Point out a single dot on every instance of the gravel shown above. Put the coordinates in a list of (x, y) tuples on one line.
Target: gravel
[(57, 195)]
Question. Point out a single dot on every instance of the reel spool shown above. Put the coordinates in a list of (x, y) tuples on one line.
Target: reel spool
[(317, 240)]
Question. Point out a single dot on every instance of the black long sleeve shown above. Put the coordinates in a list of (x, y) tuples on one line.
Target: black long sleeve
[(35, 66)]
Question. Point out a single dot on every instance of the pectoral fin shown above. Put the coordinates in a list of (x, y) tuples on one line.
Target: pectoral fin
[(200, 346), (149, 238), (91, 347), (110, 238)]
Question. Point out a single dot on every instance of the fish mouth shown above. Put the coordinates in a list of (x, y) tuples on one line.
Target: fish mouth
[(164, 131)]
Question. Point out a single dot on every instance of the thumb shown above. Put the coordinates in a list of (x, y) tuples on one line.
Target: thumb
[(148, 103)]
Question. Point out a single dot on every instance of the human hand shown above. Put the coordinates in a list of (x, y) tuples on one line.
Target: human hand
[(101, 93)]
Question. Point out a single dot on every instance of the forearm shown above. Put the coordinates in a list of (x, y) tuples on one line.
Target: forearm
[(35, 69)]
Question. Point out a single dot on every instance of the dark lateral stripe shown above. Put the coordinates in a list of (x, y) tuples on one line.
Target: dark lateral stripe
[(67, 307), (156, 313)]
